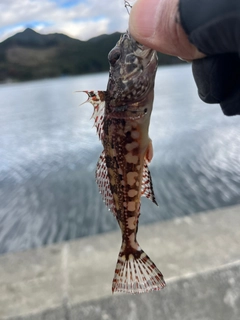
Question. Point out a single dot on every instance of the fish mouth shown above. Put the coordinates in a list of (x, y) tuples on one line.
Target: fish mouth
[(145, 63), (144, 53), (149, 64), (147, 55)]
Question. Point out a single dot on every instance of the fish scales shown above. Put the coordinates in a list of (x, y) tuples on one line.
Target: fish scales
[(121, 117)]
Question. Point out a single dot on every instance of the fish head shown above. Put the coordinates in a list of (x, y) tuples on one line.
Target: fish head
[(132, 70)]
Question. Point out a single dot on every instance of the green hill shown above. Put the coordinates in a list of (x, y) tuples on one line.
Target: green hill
[(29, 55)]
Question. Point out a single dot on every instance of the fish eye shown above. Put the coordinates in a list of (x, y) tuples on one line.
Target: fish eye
[(113, 56)]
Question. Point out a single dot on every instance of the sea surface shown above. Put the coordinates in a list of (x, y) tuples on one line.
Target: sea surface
[(49, 150)]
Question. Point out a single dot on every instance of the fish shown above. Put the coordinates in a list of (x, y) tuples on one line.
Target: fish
[(121, 117)]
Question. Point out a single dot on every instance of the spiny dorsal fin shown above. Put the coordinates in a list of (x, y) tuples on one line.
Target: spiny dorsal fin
[(97, 99), (102, 180), (147, 187)]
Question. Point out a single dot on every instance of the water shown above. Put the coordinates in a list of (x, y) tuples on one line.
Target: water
[(48, 153)]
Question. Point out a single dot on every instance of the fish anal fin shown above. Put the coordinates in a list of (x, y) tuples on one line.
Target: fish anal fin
[(97, 99), (103, 183), (149, 152), (137, 275), (147, 187)]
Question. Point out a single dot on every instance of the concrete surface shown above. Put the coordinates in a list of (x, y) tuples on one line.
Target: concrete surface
[(213, 295), (198, 255)]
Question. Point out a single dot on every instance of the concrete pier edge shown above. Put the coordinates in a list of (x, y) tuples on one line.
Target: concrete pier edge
[(199, 256)]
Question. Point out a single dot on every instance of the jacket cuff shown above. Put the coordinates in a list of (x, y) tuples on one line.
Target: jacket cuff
[(212, 26)]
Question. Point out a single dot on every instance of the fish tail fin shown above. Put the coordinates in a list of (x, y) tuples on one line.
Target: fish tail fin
[(136, 273)]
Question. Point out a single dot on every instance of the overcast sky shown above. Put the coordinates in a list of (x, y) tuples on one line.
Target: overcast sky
[(81, 19)]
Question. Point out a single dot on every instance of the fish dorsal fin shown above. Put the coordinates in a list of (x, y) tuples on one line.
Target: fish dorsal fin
[(102, 180), (97, 99), (147, 187)]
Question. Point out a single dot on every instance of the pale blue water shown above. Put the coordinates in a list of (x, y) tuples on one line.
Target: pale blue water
[(48, 152)]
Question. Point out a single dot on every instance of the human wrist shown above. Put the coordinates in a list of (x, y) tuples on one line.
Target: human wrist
[(212, 26)]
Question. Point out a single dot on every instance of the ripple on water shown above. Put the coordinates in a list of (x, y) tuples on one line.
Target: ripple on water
[(48, 152)]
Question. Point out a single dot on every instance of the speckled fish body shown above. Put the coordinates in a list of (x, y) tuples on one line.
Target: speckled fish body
[(122, 115)]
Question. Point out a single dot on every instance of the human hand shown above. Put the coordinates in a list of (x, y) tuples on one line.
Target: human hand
[(210, 38), (156, 24)]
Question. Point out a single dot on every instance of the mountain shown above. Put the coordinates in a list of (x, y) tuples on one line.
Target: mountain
[(29, 55)]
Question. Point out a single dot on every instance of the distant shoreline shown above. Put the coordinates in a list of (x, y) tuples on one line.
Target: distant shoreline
[(29, 55)]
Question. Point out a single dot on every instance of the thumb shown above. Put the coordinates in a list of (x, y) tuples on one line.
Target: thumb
[(154, 23)]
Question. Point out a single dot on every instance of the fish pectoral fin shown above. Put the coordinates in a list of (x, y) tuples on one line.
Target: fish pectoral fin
[(147, 187), (97, 99), (136, 274), (149, 151), (103, 183)]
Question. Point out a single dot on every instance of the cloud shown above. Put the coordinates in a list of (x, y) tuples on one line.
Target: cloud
[(80, 19)]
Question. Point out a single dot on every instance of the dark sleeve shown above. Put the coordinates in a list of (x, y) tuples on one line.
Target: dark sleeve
[(213, 26)]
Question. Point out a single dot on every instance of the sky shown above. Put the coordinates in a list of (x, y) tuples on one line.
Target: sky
[(81, 19)]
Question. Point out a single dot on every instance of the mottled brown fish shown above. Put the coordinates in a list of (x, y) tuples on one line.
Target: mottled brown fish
[(122, 115)]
